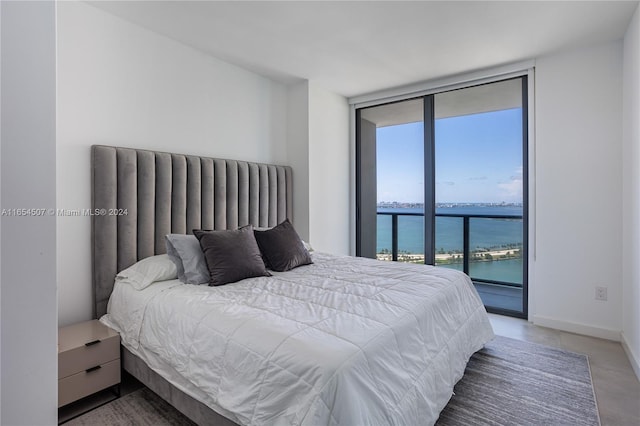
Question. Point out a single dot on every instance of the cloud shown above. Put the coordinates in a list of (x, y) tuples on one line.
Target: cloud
[(446, 183), (512, 190), (518, 174), (478, 178)]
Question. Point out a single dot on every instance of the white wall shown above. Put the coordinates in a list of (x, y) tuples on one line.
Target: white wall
[(318, 143), (120, 84), (298, 152), (631, 194), (0, 207), (329, 166), (579, 190), (28, 243)]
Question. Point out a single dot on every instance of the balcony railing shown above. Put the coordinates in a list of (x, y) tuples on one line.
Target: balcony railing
[(466, 256)]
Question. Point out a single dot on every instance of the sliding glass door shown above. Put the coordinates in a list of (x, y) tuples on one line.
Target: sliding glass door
[(392, 139), (441, 180)]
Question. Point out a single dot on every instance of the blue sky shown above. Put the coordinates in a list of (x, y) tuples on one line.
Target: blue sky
[(478, 159)]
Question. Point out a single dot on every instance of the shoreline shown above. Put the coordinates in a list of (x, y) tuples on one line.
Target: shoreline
[(446, 258)]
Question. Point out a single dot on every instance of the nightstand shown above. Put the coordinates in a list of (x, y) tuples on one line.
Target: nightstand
[(88, 360)]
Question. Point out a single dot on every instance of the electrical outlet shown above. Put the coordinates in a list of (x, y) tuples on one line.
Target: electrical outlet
[(601, 293)]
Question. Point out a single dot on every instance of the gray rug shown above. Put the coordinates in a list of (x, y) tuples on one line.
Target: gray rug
[(141, 407), (509, 383)]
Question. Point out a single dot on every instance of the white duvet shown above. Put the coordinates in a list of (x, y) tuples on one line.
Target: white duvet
[(344, 341)]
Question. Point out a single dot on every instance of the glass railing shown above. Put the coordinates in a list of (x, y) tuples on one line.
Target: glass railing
[(489, 248)]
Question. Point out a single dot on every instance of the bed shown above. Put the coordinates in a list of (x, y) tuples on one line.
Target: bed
[(338, 341)]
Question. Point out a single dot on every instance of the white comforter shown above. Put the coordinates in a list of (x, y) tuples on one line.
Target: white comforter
[(345, 341)]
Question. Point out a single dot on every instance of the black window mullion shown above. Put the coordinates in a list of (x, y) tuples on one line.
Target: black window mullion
[(429, 181), (358, 186), (525, 196)]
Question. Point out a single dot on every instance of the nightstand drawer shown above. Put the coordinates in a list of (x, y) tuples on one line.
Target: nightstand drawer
[(88, 355), (87, 382)]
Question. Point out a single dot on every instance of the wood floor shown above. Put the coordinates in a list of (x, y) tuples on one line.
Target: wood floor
[(616, 386)]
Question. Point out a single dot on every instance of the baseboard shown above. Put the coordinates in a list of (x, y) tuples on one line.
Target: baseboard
[(633, 357), (587, 330)]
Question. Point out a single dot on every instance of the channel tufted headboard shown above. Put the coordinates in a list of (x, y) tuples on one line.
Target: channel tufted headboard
[(139, 196)]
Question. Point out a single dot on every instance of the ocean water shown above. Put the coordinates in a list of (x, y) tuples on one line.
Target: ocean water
[(484, 234)]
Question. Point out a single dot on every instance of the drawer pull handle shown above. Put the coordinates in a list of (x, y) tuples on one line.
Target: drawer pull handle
[(95, 342), (97, 367)]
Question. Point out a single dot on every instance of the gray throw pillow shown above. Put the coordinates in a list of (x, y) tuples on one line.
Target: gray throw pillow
[(231, 255), (282, 248), (185, 252)]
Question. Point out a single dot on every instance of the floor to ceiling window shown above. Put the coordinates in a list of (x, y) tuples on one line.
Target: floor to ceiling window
[(441, 179)]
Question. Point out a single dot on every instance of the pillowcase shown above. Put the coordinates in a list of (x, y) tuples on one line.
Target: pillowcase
[(185, 252), (148, 270), (282, 248), (306, 244), (231, 255)]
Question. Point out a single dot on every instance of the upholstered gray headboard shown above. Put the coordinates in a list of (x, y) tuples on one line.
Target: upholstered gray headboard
[(139, 196)]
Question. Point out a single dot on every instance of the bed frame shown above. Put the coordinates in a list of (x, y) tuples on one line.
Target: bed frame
[(139, 196)]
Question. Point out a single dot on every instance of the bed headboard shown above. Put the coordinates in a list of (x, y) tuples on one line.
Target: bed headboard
[(139, 196)]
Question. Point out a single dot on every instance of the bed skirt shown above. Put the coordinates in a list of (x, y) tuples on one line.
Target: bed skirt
[(190, 407)]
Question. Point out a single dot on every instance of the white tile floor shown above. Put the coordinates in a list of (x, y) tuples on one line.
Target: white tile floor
[(616, 386)]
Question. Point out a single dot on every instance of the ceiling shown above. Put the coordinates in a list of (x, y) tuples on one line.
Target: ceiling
[(357, 47), (496, 96)]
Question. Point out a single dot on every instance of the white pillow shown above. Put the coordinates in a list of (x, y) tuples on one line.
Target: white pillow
[(147, 271)]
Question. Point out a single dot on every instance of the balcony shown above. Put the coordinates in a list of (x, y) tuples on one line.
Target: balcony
[(487, 247)]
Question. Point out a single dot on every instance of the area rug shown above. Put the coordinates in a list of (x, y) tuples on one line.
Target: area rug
[(508, 383), (139, 408), (513, 383)]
